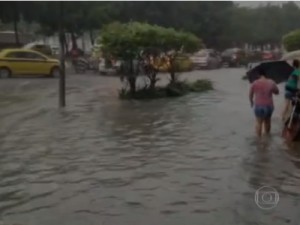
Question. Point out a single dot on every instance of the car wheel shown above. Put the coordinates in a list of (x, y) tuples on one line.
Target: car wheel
[(55, 72), (5, 73)]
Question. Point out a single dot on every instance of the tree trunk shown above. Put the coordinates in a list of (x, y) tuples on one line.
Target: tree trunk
[(172, 70), (153, 79), (16, 18), (132, 85), (83, 42), (132, 79), (92, 37), (172, 74), (66, 42), (74, 42), (62, 84)]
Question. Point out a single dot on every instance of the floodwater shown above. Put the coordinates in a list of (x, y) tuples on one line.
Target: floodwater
[(190, 160)]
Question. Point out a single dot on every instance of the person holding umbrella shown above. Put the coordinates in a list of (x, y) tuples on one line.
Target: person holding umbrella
[(261, 99), (291, 87)]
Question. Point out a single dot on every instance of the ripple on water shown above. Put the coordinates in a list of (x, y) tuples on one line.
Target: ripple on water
[(194, 157)]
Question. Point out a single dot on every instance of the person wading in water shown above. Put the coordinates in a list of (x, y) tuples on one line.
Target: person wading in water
[(291, 88), (261, 99)]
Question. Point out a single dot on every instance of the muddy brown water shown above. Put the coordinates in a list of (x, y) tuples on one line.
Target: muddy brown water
[(190, 160)]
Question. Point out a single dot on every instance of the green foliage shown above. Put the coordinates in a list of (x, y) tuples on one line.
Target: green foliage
[(262, 25), (219, 24), (291, 41), (201, 85), (8, 11), (144, 94), (182, 63), (129, 39)]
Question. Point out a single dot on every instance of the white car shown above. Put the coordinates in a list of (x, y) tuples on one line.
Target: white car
[(206, 58), (103, 69), (102, 66)]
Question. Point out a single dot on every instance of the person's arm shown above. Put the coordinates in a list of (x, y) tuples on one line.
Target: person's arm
[(293, 79), (251, 94), (275, 89)]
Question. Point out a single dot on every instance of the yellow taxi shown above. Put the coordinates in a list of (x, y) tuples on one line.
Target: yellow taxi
[(27, 62)]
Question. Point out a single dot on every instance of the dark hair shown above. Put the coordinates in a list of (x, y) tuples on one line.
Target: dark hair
[(296, 63)]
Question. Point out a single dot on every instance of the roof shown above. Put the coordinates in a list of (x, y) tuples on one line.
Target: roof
[(7, 50)]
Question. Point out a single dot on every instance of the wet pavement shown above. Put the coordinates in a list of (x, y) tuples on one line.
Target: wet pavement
[(190, 160)]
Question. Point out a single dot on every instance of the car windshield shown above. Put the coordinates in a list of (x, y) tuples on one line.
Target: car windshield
[(202, 54), (230, 51)]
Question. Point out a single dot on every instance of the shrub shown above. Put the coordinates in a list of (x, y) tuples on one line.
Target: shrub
[(291, 41), (182, 64), (201, 85), (174, 89)]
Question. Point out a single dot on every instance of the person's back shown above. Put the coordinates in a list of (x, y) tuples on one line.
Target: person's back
[(263, 90), (261, 97)]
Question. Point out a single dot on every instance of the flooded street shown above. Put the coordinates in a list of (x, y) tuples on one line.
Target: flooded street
[(190, 160)]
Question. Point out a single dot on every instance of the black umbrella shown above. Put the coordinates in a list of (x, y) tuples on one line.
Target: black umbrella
[(279, 71)]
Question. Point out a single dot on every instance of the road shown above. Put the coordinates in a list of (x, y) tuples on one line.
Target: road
[(100, 160)]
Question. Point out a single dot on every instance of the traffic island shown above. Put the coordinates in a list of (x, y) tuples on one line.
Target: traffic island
[(173, 89)]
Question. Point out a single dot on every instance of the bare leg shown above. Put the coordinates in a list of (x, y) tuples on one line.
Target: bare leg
[(267, 125), (259, 123), (286, 108)]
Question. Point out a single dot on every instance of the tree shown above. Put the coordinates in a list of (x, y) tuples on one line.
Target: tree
[(10, 13), (291, 41), (98, 15), (205, 19), (133, 40), (219, 24)]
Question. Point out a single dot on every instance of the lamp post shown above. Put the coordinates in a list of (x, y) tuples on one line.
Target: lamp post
[(62, 77)]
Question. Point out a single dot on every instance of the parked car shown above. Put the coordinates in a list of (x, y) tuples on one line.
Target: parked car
[(80, 65), (234, 57), (55, 50), (109, 67), (207, 58), (271, 55), (44, 49), (268, 55), (27, 62), (253, 56)]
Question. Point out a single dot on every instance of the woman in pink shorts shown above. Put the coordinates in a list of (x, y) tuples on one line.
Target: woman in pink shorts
[(261, 99)]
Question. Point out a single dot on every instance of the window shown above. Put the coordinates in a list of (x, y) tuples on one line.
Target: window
[(202, 54), (212, 54), (15, 55), (32, 55), (25, 55)]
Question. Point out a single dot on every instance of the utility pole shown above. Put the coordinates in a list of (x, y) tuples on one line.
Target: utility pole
[(62, 77), (16, 20)]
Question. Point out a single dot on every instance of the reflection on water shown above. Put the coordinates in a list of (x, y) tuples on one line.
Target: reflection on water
[(103, 161)]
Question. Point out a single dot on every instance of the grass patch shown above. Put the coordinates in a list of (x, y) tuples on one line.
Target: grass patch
[(176, 89)]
